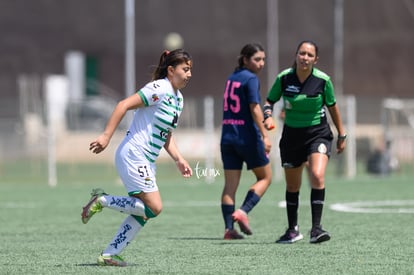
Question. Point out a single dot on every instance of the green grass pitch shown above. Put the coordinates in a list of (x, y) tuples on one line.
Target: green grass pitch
[(41, 231)]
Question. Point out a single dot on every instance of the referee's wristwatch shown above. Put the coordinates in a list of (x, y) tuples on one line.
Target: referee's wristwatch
[(342, 137)]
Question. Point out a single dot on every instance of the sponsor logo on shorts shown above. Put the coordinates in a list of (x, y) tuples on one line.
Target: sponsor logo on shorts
[(149, 182), (288, 165), (322, 148)]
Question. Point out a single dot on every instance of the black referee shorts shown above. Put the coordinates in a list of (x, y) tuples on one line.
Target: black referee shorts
[(297, 144)]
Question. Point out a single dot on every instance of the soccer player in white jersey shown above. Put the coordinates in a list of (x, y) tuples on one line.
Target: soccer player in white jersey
[(157, 106)]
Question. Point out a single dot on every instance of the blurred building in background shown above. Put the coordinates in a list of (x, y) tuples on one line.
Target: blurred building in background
[(38, 36)]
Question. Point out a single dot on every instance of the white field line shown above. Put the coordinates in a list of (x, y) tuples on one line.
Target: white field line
[(17, 205), (388, 206)]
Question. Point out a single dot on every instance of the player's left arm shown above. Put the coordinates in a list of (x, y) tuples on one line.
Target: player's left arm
[(174, 153), (337, 120), (330, 101)]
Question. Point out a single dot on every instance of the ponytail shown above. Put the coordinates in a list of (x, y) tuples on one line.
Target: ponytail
[(167, 59), (248, 51)]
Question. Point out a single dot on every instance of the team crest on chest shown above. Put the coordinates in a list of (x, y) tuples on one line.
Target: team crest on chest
[(155, 98)]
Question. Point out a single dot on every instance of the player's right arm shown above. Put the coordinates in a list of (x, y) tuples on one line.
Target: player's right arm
[(273, 96), (130, 103)]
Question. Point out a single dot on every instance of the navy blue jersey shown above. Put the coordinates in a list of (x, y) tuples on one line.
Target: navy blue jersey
[(238, 126)]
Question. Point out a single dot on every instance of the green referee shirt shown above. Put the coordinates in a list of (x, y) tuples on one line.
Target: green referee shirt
[(303, 102)]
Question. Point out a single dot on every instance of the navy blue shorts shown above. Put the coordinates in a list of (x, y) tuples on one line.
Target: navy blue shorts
[(233, 156), (297, 144)]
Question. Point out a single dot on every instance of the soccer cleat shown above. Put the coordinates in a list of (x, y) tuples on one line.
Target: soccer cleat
[(318, 235), (111, 260), (232, 234), (93, 205), (241, 218), (290, 236)]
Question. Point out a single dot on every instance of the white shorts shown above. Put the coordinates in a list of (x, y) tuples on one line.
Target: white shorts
[(135, 171)]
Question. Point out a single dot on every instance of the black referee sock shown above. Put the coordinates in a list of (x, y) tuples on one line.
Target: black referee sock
[(292, 205), (317, 201), (250, 201), (227, 210)]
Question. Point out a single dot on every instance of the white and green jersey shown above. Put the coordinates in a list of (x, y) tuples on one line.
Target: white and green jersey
[(151, 125)]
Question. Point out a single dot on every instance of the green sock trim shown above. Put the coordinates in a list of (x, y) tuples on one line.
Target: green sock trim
[(140, 220), (134, 193), (149, 213)]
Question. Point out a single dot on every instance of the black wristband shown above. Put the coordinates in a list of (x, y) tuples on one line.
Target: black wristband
[(343, 137), (267, 111), (266, 116)]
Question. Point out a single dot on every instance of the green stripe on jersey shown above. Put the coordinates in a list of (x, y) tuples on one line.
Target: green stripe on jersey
[(144, 99), (178, 108), (156, 146), (165, 121)]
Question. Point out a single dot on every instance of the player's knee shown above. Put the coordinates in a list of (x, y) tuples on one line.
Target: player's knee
[(153, 211), (266, 179), (318, 179)]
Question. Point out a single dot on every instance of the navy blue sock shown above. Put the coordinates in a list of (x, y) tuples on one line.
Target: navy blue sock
[(292, 205), (250, 201), (227, 210)]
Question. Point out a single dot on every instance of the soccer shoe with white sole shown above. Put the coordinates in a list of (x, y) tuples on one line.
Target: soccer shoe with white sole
[(241, 218), (111, 260), (290, 236), (93, 206), (318, 235)]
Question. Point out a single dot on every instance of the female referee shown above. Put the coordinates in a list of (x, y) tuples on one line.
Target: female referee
[(306, 136), (157, 107)]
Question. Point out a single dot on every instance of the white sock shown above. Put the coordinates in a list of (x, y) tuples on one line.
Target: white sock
[(126, 233), (127, 205)]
